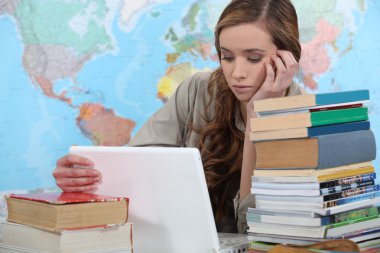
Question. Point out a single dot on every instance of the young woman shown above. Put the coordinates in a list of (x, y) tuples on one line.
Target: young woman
[(257, 42)]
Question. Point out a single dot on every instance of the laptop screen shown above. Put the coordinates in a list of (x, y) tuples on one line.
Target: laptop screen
[(169, 203)]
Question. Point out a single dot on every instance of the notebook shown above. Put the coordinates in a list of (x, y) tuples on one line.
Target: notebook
[(169, 202)]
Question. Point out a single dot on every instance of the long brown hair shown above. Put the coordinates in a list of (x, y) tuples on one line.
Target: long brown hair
[(221, 142)]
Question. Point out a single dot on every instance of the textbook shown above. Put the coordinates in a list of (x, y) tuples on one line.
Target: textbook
[(313, 175), (310, 100), (322, 184), (326, 187), (319, 152), (305, 132), (59, 211), (307, 196), (313, 232), (323, 208), (286, 218), (308, 119), (116, 238)]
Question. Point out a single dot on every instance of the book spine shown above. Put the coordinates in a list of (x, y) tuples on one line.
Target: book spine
[(355, 214), (348, 200), (338, 116), (348, 180), (346, 148), (338, 128), (346, 173), (351, 192), (343, 223), (345, 187), (341, 97)]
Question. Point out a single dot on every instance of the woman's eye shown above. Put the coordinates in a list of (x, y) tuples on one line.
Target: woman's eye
[(226, 58), (254, 59)]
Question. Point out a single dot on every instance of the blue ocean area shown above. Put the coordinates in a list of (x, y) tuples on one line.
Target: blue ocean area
[(127, 80)]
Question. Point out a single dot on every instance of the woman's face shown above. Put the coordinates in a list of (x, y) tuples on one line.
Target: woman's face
[(245, 49)]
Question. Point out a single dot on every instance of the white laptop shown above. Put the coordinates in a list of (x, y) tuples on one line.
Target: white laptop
[(169, 202)]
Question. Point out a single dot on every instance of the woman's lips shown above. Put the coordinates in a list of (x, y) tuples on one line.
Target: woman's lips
[(240, 89)]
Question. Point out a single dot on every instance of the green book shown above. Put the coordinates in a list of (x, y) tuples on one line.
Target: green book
[(298, 120)]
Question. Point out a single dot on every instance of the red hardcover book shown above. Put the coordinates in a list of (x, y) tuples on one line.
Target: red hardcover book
[(59, 211)]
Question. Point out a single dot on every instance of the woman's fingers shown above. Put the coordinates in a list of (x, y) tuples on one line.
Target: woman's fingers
[(70, 160)]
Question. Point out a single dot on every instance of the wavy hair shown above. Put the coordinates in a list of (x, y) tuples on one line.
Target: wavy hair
[(221, 142)]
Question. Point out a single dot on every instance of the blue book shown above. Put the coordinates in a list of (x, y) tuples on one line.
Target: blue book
[(338, 128), (320, 152), (311, 100)]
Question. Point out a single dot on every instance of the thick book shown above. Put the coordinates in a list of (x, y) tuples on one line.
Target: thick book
[(324, 208), (275, 217), (319, 152), (309, 119), (310, 100), (314, 232), (314, 175), (305, 132), (59, 211), (117, 238)]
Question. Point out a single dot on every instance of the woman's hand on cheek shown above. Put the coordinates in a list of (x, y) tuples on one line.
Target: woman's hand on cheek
[(279, 76)]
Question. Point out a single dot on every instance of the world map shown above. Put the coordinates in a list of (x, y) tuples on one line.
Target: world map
[(92, 72)]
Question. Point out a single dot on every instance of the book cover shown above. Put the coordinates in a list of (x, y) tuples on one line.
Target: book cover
[(310, 100), (325, 151), (60, 198), (59, 211), (309, 119)]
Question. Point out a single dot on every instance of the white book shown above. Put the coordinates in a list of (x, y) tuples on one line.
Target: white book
[(313, 232), (318, 210), (116, 238), (299, 221), (303, 199), (286, 186), (286, 192)]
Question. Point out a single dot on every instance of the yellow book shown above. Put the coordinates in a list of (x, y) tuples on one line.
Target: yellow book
[(319, 175)]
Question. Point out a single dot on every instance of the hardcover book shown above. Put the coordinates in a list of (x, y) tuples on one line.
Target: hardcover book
[(310, 100), (59, 211), (116, 238), (319, 152)]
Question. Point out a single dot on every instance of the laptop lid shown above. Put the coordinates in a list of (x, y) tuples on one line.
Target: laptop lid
[(169, 202)]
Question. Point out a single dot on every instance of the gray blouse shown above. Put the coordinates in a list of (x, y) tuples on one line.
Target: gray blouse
[(169, 126)]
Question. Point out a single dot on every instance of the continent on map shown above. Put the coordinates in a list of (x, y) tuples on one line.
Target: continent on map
[(320, 31), (173, 77), (195, 40), (59, 38), (103, 127)]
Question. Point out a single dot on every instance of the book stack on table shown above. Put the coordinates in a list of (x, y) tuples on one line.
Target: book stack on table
[(314, 179), (66, 223)]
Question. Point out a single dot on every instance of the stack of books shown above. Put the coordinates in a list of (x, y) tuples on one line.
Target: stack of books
[(314, 179), (66, 223)]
